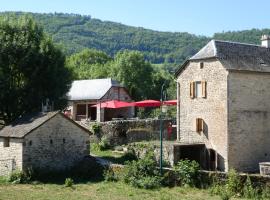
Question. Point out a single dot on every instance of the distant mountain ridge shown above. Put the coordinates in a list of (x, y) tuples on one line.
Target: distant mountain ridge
[(76, 32)]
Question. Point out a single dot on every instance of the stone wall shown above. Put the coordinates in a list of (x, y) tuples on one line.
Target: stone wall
[(127, 131), (10, 157), (249, 117), (212, 109), (56, 145)]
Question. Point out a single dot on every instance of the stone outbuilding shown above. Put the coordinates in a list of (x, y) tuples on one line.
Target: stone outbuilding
[(49, 141), (224, 105), (84, 94)]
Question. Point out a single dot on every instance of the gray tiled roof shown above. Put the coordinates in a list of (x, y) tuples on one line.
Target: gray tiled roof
[(22, 126), (93, 89), (235, 56)]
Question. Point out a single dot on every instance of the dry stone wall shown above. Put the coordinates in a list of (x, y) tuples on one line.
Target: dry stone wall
[(127, 131)]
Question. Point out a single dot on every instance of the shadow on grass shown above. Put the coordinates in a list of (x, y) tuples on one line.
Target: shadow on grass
[(121, 159), (86, 171)]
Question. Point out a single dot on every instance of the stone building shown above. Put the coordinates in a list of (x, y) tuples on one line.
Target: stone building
[(84, 94), (223, 105), (49, 141)]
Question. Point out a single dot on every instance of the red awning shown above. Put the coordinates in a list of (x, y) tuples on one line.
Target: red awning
[(114, 104), (148, 103), (170, 102)]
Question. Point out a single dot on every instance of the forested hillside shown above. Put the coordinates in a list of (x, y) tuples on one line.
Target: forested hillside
[(77, 32)]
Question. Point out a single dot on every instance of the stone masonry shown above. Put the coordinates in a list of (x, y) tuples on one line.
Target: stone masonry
[(54, 144)]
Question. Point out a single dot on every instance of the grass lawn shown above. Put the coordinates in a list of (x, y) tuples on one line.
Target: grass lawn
[(110, 155), (100, 190)]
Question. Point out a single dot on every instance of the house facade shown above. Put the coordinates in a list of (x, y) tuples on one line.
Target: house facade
[(49, 141), (85, 94), (223, 105)]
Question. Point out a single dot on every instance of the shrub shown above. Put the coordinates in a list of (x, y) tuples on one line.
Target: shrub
[(96, 128), (130, 155), (143, 172), (233, 183), (113, 173), (69, 182), (266, 192), (249, 191), (187, 172), (104, 144), (20, 176)]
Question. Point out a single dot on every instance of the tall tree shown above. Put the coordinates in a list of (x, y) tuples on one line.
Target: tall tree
[(134, 72), (89, 64), (31, 68)]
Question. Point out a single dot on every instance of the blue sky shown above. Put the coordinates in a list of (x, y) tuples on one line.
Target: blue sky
[(201, 17)]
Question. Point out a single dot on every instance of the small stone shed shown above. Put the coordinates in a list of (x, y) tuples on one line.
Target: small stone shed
[(49, 141), (223, 96), (84, 94)]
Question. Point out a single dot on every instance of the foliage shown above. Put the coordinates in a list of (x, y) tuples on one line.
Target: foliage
[(19, 177), (143, 172), (77, 32), (69, 182), (113, 173), (233, 184), (249, 191), (104, 144), (129, 155), (89, 64), (96, 128), (130, 69), (30, 68), (187, 172)]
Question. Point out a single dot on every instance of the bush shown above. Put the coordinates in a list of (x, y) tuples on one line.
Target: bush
[(113, 173), (249, 191), (233, 183), (142, 173), (69, 182), (130, 155), (266, 192), (186, 172), (20, 176), (104, 144), (96, 128)]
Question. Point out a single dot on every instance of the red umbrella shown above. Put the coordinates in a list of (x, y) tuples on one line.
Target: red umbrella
[(148, 103), (170, 102), (114, 104)]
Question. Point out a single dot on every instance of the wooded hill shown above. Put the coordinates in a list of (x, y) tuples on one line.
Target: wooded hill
[(76, 32)]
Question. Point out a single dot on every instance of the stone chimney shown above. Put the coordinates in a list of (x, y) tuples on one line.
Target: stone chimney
[(265, 41)]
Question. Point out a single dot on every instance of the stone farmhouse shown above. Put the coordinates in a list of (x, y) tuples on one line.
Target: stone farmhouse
[(223, 107), (48, 141), (84, 94)]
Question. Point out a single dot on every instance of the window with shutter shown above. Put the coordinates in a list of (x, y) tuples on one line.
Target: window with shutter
[(199, 125), (204, 89), (192, 90)]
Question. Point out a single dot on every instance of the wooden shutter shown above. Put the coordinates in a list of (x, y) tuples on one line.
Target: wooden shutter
[(199, 125), (192, 90), (204, 89)]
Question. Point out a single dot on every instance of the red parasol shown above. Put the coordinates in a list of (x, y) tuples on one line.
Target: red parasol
[(170, 102), (114, 104), (148, 103)]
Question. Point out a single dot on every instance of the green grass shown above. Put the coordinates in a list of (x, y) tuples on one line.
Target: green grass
[(110, 155), (101, 190)]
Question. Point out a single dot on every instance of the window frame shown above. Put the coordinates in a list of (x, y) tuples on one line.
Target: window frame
[(6, 142)]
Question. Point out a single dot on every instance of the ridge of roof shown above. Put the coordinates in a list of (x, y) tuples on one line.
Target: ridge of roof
[(91, 89), (234, 56), (28, 123)]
